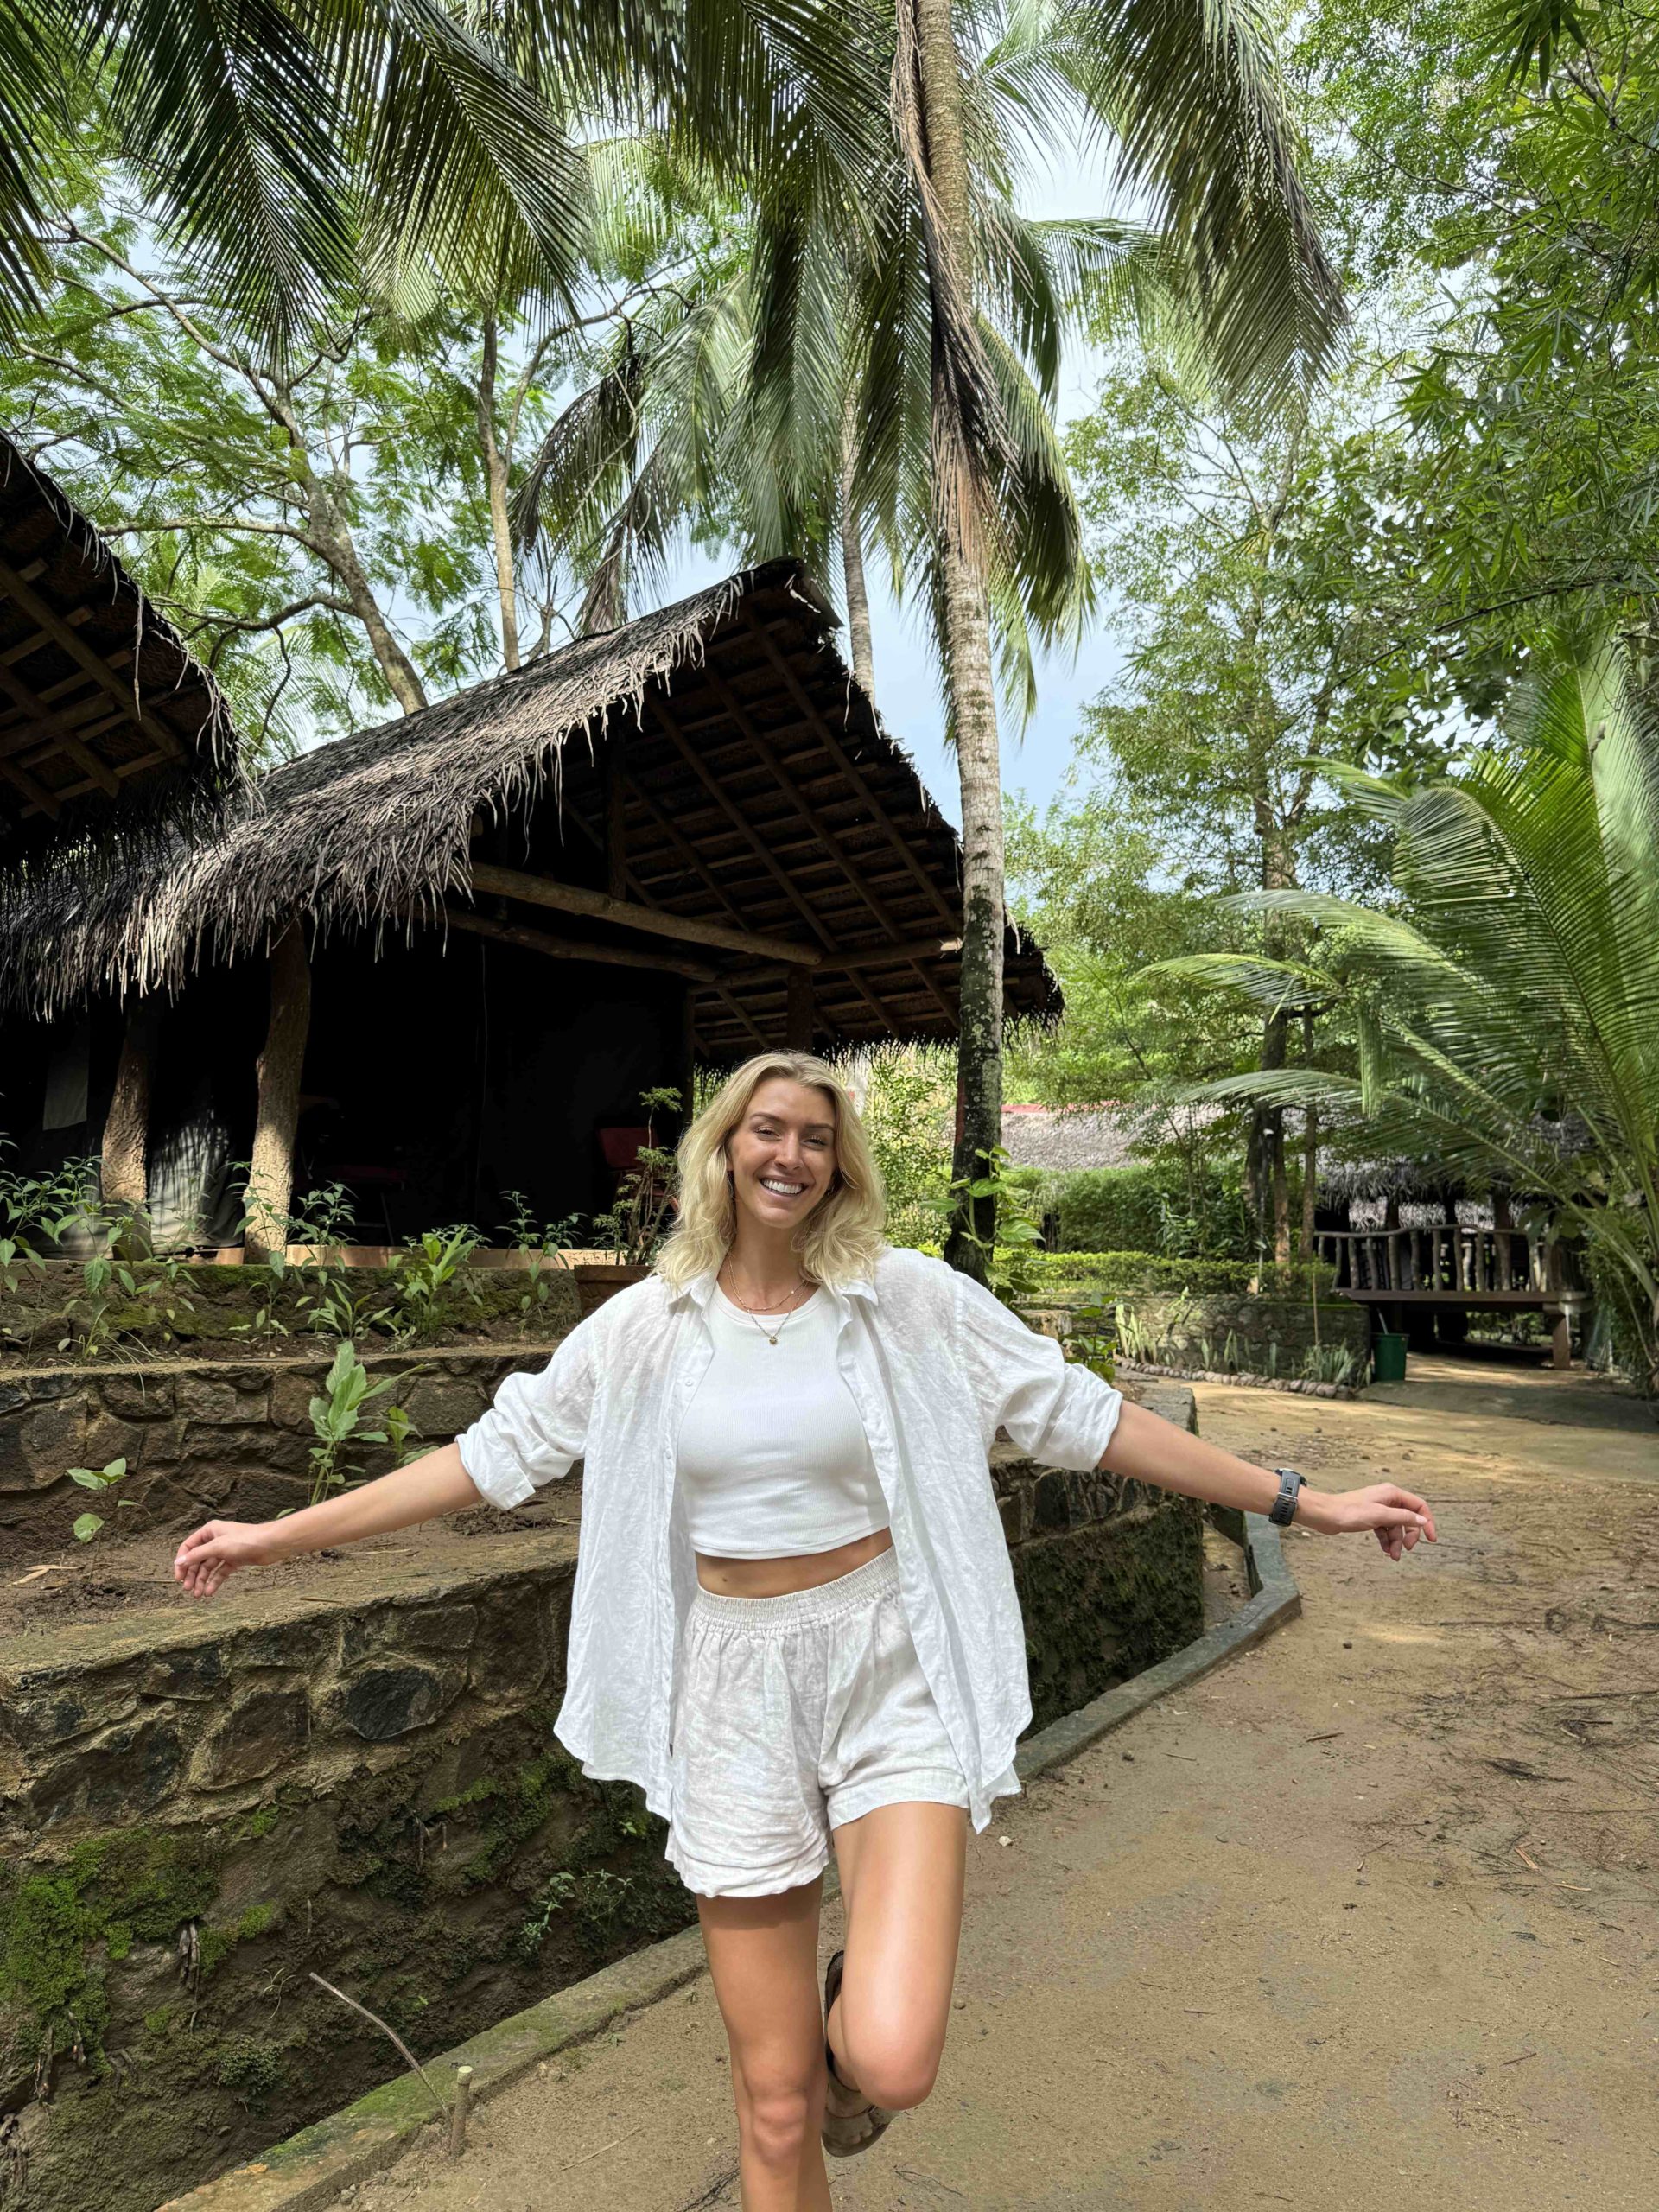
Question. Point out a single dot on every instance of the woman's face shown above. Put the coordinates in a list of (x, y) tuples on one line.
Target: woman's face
[(782, 1154)]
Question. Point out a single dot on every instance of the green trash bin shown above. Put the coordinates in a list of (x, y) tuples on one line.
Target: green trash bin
[(1388, 1357)]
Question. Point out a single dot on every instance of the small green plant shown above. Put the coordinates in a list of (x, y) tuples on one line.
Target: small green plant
[(102, 1480), (337, 1418), (1009, 1271), (37, 1211), (634, 1226), (90, 1309), (423, 1274), (1329, 1363), (1090, 1340), (543, 1246)]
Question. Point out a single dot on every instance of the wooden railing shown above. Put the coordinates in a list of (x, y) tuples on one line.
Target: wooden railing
[(1445, 1257)]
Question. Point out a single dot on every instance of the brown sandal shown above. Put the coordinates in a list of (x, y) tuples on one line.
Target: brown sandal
[(851, 2122)]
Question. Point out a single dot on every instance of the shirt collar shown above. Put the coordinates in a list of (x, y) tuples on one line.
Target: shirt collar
[(701, 1289)]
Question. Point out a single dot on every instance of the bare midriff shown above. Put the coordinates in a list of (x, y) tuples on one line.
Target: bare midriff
[(773, 1577)]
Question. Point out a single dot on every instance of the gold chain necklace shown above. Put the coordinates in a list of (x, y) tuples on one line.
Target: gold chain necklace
[(770, 1335)]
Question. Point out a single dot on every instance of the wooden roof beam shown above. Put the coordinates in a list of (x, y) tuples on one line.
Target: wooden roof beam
[(20, 696), (78, 650), (571, 899), (756, 843), (844, 761), (743, 720), (36, 794), (569, 948)]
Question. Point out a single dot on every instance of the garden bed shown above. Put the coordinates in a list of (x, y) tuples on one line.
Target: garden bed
[(159, 1310)]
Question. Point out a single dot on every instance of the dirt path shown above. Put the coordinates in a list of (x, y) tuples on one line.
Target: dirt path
[(1364, 1918)]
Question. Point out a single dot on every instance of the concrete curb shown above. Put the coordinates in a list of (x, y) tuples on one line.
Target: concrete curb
[(308, 2171)]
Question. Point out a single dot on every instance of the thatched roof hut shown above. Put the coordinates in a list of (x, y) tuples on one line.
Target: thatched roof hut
[(106, 721), (714, 759), (685, 838)]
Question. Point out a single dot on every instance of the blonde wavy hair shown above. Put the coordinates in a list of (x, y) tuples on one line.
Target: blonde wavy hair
[(838, 1241)]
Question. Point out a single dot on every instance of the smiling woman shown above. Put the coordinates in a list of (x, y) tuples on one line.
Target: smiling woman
[(794, 1622)]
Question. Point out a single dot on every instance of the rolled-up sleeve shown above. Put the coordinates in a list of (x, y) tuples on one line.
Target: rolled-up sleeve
[(1058, 1411), (537, 1427)]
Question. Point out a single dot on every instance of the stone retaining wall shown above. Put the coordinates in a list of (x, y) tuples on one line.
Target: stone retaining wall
[(205, 1437), (1181, 1325), (196, 1815)]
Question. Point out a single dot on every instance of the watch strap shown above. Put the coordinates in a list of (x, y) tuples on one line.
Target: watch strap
[(1283, 1508)]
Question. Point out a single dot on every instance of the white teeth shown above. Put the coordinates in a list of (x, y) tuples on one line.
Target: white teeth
[(783, 1190)]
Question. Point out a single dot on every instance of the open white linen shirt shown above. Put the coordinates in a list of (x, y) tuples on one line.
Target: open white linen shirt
[(935, 1366)]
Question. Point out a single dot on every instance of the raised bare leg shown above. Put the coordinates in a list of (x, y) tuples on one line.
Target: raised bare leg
[(763, 1955), (902, 1873)]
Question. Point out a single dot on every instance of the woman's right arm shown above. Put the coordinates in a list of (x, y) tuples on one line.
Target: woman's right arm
[(435, 1484)]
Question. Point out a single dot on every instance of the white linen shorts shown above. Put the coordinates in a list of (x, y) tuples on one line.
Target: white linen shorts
[(793, 1715)]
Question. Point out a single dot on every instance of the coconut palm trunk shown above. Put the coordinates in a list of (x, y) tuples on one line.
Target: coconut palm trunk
[(967, 643)]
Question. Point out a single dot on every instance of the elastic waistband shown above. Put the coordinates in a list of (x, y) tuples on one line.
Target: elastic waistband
[(797, 1608)]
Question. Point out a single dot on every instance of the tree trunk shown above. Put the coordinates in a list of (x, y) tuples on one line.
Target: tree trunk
[(1310, 1148), (271, 1178), (124, 1180), (495, 478), (967, 643), (851, 563), (330, 538)]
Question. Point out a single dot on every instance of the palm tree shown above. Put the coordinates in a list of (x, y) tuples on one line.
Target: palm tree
[(1507, 1023), (919, 308), (1187, 90)]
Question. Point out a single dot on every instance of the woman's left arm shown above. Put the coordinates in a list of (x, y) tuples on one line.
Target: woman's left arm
[(1148, 1449)]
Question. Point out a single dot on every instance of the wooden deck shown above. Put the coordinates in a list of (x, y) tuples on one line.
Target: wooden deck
[(1449, 1268)]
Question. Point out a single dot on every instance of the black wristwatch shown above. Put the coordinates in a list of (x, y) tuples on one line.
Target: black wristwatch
[(1283, 1508)]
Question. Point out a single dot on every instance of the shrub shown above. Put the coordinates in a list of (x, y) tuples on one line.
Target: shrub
[(1109, 1275), (1153, 1206)]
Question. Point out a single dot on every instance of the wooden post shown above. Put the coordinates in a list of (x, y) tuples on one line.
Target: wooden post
[(616, 831), (459, 2110), (1560, 1337), (270, 1181), (800, 1012), (124, 1150)]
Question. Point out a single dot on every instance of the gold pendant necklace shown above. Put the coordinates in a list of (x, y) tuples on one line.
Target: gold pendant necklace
[(771, 1335)]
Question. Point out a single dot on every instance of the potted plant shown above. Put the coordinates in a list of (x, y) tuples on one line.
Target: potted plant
[(635, 1223)]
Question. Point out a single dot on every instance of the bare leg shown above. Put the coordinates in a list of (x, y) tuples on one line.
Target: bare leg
[(763, 1955), (902, 1874)]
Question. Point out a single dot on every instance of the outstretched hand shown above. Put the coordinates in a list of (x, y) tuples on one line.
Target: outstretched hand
[(216, 1549), (1398, 1519)]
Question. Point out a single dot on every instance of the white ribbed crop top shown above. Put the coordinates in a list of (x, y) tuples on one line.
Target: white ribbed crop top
[(771, 1456)]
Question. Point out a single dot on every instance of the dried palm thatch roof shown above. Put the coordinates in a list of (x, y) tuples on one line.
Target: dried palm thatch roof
[(713, 761), (107, 725)]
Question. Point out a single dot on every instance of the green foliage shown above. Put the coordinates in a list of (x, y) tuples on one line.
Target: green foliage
[(1106, 1275), (97, 1478), (543, 1245), (1008, 1263), (336, 1418), (636, 1225), (1510, 1029), (1154, 1206), (253, 2065), (909, 1099), (424, 1275)]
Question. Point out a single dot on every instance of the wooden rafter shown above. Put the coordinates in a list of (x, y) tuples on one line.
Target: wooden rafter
[(19, 693), (751, 837), (743, 720), (78, 649), (844, 761), (569, 948), (571, 899)]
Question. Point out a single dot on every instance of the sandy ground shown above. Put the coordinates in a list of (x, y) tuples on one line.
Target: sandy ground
[(1364, 1918)]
